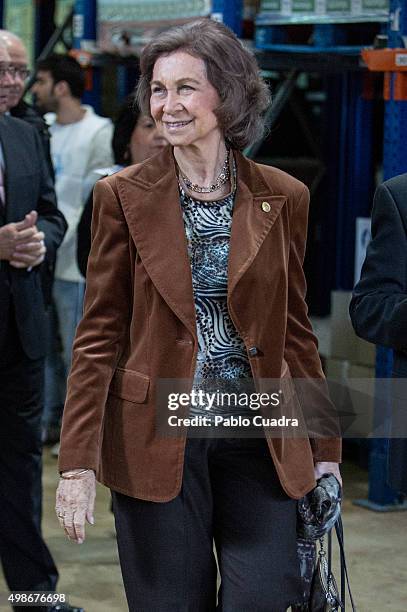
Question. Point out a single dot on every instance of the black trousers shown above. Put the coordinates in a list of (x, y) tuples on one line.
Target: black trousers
[(27, 563), (230, 495)]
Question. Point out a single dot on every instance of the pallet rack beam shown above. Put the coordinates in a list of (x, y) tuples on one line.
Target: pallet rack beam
[(324, 63)]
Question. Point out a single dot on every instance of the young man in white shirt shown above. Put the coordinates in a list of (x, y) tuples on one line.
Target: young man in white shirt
[(80, 143)]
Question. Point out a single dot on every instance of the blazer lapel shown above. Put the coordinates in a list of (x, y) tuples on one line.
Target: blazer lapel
[(151, 205), (4, 142), (250, 224), (16, 160), (152, 208)]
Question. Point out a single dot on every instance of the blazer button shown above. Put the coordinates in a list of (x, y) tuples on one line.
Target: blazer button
[(253, 351), (265, 206)]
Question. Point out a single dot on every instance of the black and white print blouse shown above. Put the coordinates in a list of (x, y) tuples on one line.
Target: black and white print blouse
[(222, 354)]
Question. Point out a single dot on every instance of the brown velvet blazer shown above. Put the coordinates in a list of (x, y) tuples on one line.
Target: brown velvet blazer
[(139, 322)]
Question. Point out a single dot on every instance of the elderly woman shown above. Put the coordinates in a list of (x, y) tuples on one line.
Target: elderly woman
[(195, 272)]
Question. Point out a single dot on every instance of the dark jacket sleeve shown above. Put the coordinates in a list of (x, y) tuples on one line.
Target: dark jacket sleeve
[(50, 220), (84, 236), (27, 113), (378, 308)]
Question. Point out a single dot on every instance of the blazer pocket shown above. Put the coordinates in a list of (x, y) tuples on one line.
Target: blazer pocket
[(130, 385)]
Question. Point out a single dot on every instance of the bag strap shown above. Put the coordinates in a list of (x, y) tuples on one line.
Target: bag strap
[(329, 552), (344, 569)]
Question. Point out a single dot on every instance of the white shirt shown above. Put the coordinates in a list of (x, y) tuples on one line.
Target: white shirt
[(77, 149)]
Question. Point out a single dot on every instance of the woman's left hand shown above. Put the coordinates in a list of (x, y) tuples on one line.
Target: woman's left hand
[(326, 467)]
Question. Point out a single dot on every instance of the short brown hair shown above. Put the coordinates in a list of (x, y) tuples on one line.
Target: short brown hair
[(231, 69)]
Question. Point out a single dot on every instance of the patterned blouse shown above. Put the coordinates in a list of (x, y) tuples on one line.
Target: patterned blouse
[(222, 356)]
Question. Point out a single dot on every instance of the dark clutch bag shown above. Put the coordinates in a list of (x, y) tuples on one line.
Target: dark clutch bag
[(318, 512)]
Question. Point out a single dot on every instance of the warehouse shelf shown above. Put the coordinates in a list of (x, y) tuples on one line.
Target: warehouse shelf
[(273, 19), (286, 58)]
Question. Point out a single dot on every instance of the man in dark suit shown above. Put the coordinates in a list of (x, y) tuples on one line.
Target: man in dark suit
[(31, 229), (17, 106), (379, 305)]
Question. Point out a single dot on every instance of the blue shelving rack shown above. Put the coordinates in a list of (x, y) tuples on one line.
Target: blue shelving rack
[(350, 177), (349, 122), (381, 497)]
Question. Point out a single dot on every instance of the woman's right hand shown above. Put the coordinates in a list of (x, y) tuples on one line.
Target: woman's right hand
[(75, 501)]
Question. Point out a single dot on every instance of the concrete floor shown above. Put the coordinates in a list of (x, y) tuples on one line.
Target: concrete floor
[(376, 547)]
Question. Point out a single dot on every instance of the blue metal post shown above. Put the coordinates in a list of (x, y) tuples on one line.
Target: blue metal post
[(229, 12), (356, 173), (380, 497), (84, 33), (84, 22), (395, 117), (350, 174)]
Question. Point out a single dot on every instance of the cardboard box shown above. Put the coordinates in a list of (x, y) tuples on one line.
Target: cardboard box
[(336, 337), (337, 369), (343, 337), (345, 344), (337, 374), (322, 329), (365, 353), (360, 371), (362, 393), (352, 388)]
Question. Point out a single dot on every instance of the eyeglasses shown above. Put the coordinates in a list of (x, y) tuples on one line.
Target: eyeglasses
[(14, 71)]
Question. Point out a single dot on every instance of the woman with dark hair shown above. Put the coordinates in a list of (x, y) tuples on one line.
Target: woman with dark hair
[(135, 138), (195, 279)]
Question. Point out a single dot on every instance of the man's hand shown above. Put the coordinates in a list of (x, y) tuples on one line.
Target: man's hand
[(30, 253), (13, 234), (21, 243)]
